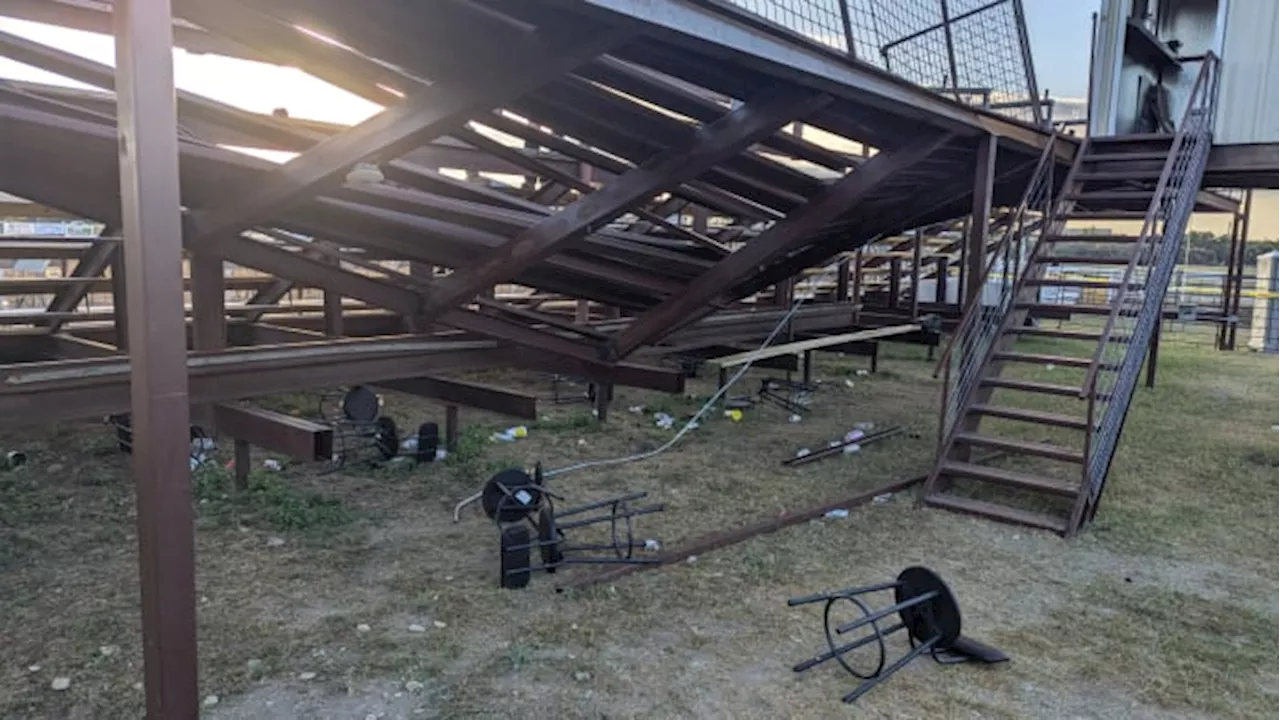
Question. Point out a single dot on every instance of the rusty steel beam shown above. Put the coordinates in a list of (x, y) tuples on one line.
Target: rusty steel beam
[(984, 177), (475, 395), (151, 212), (68, 389), (707, 147), (301, 440), (698, 192), (428, 114), (649, 86), (92, 264), (774, 242), (540, 168)]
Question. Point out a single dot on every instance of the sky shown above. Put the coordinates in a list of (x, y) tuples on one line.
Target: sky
[(1060, 42)]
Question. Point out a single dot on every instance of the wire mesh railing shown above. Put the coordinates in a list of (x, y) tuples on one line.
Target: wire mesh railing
[(1139, 300), (962, 361), (975, 51)]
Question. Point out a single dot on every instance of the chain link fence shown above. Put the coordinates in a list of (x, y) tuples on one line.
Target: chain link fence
[(975, 51)]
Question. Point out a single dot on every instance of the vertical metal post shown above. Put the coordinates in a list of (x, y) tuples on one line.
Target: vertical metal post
[(244, 458), (964, 261), (1024, 44), (847, 22), (451, 428), (208, 318), (582, 313), (1229, 282), (1153, 351), (842, 280), (784, 291), (119, 303), (333, 309), (1244, 243), (701, 219), (951, 48), (857, 285), (940, 280), (915, 273), (151, 214), (208, 303), (980, 220), (604, 396), (895, 282)]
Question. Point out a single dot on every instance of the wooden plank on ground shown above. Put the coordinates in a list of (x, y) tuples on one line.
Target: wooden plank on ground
[(814, 344)]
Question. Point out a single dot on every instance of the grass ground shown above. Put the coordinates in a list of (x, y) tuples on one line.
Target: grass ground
[(353, 594)]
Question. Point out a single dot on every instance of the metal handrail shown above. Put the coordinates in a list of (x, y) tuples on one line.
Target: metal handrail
[(969, 316), (1117, 363), (1146, 236)]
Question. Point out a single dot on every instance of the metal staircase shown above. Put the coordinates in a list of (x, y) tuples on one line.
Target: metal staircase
[(1031, 414)]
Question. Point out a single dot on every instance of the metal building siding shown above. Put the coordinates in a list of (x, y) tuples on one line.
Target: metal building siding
[(1249, 98), (1108, 45)]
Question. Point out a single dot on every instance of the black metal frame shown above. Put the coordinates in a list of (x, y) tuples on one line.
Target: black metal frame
[(514, 499), (926, 610)]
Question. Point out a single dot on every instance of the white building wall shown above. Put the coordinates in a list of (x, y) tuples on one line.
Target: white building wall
[(1249, 96)]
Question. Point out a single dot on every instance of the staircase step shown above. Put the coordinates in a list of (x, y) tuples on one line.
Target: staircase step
[(1011, 478), (1076, 282), (1080, 308), (1128, 156), (1129, 138), (1107, 214), (1092, 239), (1064, 335), (1023, 447), (1085, 197), (1042, 359), (1037, 417), (997, 512), (1149, 173), (1032, 386), (1081, 260)]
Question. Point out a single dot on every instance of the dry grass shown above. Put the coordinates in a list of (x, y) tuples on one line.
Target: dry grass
[(1165, 607)]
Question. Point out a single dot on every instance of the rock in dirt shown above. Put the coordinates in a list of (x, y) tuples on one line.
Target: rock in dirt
[(60, 683), (416, 628), (210, 701), (414, 686), (363, 627), (306, 676)]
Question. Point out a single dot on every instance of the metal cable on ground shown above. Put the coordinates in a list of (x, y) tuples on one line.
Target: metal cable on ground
[(675, 439), (692, 421)]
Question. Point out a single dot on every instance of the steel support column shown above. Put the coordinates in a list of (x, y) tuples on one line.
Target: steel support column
[(1244, 243), (984, 175), (152, 223)]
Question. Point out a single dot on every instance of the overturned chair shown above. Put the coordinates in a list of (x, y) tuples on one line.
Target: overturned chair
[(528, 519), (925, 608)]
